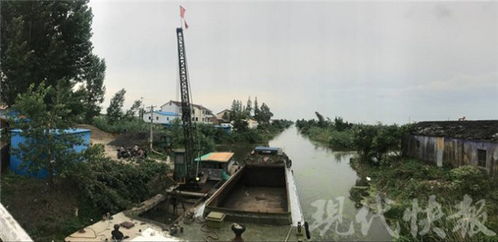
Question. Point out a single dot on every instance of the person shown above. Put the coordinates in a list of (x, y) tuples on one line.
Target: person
[(116, 234)]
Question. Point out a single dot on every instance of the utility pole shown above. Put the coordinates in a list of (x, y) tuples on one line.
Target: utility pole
[(151, 124)]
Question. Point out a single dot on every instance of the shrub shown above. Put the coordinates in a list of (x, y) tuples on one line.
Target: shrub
[(470, 179), (112, 186), (131, 125), (341, 139)]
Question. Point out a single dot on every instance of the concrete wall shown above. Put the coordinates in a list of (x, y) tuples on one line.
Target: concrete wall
[(160, 118), (442, 151), (198, 115)]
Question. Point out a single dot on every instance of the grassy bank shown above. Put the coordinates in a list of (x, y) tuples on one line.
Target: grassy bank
[(403, 180)]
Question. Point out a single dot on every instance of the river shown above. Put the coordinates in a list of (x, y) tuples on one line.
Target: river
[(324, 174)]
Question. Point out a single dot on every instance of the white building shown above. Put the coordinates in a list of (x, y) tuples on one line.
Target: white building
[(160, 117), (200, 114), (251, 123), (224, 115)]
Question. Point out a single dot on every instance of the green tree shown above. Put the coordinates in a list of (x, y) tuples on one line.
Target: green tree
[(93, 90), (45, 146), (256, 108), (115, 109), (265, 114), (321, 121), (134, 109), (48, 41), (363, 137), (248, 109)]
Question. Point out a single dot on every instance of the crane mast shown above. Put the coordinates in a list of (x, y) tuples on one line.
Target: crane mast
[(185, 173)]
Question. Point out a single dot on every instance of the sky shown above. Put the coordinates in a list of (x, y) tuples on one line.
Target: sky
[(365, 61)]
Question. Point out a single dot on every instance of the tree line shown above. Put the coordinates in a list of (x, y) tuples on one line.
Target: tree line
[(373, 142), (240, 114)]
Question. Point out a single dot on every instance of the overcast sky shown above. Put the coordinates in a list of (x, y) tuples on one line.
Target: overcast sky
[(364, 61)]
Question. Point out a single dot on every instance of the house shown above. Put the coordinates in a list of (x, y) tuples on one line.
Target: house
[(455, 143), (251, 123), (200, 114), (223, 116), (161, 117)]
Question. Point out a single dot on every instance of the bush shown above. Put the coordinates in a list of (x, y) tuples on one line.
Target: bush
[(341, 139), (470, 179), (131, 125), (113, 186)]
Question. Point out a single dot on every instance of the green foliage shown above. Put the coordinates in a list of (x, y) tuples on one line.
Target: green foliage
[(114, 186), (115, 109), (402, 180), (256, 107), (470, 179), (321, 120), (376, 141), (49, 41), (45, 147), (93, 91), (203, 142), (134, 110), (248, 109), (341, 139), (130, 125), (265, 114)]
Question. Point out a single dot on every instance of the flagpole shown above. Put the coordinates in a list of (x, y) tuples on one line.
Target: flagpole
[(181, 23)]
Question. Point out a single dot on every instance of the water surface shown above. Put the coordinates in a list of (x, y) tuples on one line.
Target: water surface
[(324, 174)]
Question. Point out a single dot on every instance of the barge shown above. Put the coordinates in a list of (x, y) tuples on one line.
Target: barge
[(260, 193)]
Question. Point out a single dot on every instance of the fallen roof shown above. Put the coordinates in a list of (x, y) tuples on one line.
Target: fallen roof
[(481, 130), (217, 156)]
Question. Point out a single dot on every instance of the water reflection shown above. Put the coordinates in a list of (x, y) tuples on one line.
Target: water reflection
[(324, 174)]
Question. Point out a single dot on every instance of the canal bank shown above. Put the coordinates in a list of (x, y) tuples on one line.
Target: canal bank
[(324, 178)]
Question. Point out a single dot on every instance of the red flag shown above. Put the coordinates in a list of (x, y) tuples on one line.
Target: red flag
[(182, 11), (186, 25)]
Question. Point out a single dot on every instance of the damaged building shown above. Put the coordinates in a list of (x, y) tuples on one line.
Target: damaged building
[(455, 143)]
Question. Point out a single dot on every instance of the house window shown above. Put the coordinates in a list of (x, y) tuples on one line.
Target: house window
[(417, 143), (196, 118), (167, 118), (481, 157), (157, 118), (149, 118)]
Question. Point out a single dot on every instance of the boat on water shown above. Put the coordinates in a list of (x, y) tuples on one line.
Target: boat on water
[(259, 193)]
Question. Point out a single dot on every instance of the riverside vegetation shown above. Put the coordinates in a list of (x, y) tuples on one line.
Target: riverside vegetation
[(78, 193), (403, 179)]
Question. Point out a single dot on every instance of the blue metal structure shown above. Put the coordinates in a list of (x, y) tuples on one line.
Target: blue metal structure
[(17, 138)]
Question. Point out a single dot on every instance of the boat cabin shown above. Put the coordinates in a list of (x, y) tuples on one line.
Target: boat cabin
[(216, 165), (268, 150)]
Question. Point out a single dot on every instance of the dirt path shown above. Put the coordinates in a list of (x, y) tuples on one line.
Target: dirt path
[(101, 137)]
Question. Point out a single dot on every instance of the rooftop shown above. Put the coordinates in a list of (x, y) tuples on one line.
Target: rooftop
[(481, 130), (217, 156), (166, 113), (194, 105)]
